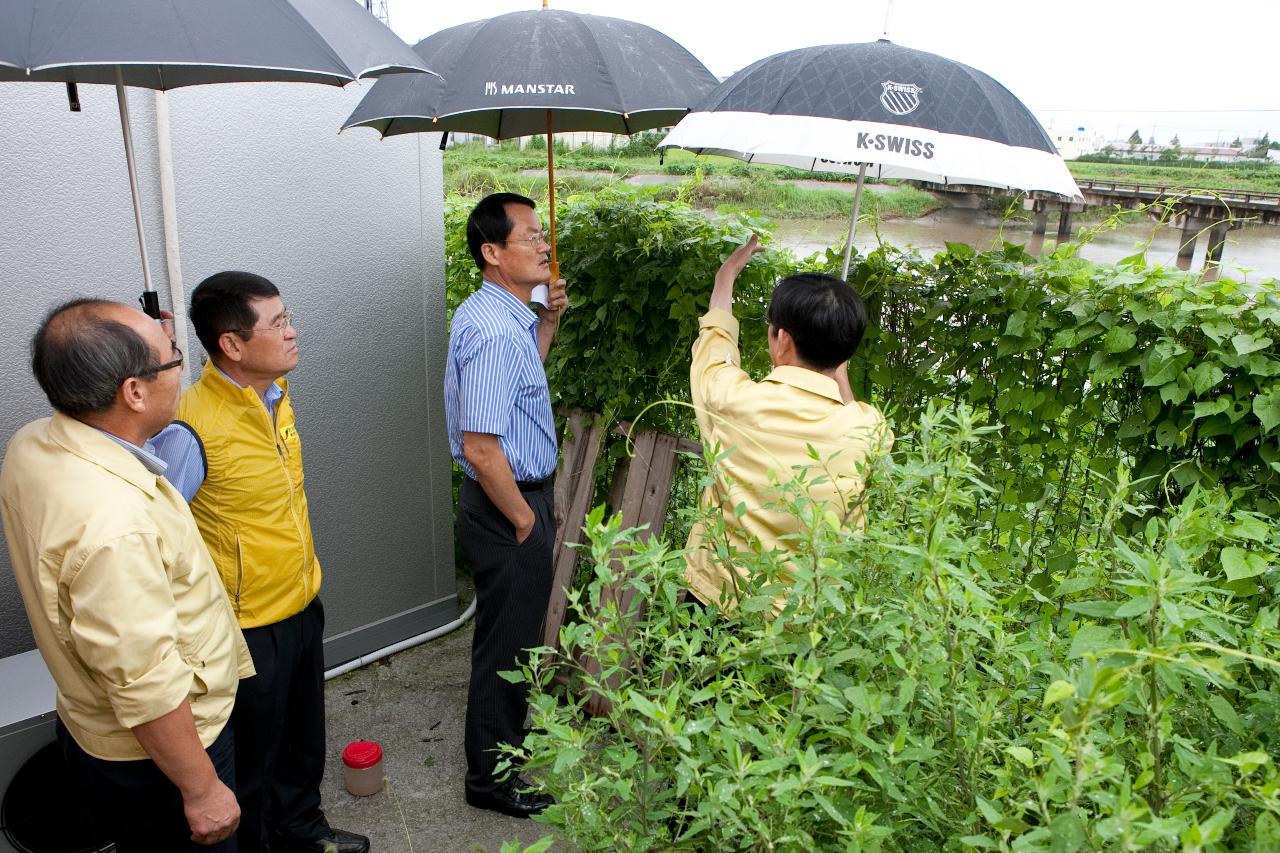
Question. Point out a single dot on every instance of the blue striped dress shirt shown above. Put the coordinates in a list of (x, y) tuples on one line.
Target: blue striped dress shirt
[(495, 383)]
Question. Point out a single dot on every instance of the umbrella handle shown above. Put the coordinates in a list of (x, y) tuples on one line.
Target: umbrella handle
[(150, 301)]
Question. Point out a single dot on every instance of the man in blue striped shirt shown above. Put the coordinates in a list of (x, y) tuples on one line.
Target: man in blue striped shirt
[(501, 431)]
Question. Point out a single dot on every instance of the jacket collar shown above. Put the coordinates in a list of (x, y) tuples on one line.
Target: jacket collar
[(219, 383), (806, 380), (94, 446)]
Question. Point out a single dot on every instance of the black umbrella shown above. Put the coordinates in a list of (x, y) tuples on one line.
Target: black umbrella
[(907, 113), (165, 44), (537, 72)]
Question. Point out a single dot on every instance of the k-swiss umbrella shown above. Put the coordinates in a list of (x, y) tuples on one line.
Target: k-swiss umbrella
[(537, 72), (880, 109), (165, 44)]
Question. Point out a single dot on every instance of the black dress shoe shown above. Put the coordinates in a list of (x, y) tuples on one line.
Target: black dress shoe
[(337, 841), (510, 799)]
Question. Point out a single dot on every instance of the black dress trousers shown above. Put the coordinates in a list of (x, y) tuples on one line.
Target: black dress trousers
[(513, 584), (136, 803), (279, 726)]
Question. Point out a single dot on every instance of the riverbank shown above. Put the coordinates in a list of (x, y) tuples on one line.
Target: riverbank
[(777, 198)]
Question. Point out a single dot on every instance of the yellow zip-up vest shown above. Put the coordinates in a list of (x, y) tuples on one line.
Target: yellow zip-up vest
[(251, 508)]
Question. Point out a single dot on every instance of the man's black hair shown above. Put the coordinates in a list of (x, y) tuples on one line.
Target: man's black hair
[(488, 222), (80, 356), (824, 316), (221, 304)]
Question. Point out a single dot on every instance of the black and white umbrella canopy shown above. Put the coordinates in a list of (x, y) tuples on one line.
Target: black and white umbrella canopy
[(906, 113), (503, 74), (166, 44)]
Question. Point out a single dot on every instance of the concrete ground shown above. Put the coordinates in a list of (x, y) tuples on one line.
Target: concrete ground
[(413, 704)]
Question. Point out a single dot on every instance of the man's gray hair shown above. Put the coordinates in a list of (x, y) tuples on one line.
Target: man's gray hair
[(80, 356)]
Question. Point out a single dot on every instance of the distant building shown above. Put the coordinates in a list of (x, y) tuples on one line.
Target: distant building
[(1203, 153), (1074, 140)]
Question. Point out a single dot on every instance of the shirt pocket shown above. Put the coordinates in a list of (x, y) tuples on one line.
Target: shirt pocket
[(289, 445)]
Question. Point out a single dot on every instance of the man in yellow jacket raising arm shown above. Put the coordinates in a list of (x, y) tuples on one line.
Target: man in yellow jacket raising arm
[(235, 453), (765, 430)]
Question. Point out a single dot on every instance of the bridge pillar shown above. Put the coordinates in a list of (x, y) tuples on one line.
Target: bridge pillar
[(1213, 256), (1191, 227), (1040, 222), (1064, 223)]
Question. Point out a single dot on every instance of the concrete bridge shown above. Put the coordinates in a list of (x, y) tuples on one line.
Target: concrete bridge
[(1200, 212)]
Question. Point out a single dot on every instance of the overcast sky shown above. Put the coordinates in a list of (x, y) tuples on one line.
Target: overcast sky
[(1198, 68)]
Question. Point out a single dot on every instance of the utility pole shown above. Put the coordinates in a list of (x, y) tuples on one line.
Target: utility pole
[(378, 8)]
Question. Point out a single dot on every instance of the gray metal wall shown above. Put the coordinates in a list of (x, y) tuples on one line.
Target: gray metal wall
[(348, 226)]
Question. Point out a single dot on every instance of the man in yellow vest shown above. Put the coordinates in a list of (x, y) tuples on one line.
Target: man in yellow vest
[(235, 454)]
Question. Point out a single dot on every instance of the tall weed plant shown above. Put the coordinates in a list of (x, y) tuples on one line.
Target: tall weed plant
[(908, 698)]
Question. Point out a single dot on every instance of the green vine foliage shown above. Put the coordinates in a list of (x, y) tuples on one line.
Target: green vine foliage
[(1085, 366), (1059, 628)]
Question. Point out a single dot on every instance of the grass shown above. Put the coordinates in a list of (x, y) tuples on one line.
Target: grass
[(1257, 177), (714, 183), (725, 185)]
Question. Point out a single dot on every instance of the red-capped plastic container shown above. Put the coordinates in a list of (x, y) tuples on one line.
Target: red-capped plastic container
[(362, 770)]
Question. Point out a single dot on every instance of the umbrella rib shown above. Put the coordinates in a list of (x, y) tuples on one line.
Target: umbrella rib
[(580, 22)]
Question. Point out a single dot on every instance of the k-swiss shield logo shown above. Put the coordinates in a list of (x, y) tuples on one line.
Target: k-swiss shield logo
[(900, 98)]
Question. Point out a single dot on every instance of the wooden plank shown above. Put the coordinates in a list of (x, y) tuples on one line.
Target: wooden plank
[(637, 477), (683, 444), (569, 453), (657, 489), (655, 495), (565, 558)]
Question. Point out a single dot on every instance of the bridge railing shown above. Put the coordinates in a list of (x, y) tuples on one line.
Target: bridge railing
[(1157, 191)]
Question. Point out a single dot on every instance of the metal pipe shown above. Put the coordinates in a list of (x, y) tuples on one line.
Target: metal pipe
[(122, 98), (172, 250)]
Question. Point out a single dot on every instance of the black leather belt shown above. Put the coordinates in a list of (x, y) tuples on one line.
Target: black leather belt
[(534, 485)]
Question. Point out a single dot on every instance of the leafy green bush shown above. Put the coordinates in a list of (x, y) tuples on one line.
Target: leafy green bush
[(910, 698), (641, 144)]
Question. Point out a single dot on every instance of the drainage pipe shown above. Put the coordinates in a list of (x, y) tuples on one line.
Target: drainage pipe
[(418, 640)]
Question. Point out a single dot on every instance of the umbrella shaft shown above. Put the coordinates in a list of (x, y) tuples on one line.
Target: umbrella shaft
[(853, 220), (123, 99), (551, 197)]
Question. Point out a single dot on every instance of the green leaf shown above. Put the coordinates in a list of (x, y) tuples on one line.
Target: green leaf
[(1246, 343), (1204, 410), (1091, 639), (1248, 761), (1119, 339), (1066, 834), (1134, 607), (1204, 376), (1266, 833), (1267, 408), (1021, 754), (1094, 609), (1239, 563), (1226, 714), (1217, 330), (1057, 691), (989, 811)]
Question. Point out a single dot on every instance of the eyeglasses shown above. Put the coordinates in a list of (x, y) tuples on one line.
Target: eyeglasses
[(533, 240), (161, 368), (284, 322)]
